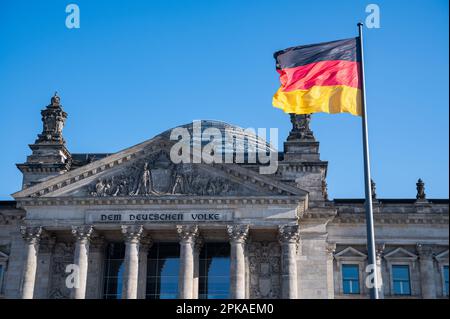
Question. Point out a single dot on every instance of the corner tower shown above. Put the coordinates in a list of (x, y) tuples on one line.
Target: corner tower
[(49, 156)]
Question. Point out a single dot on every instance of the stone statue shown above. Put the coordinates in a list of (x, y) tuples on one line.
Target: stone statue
[(374, 189), (300, 127), (420, 186), (145, 186)]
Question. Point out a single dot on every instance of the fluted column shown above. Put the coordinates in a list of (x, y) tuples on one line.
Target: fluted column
[(427, 281), (237, 235), (187, 235), (32, 236), (132, 234), (197, 248), (144, 246), (289, 237), (82, 236)]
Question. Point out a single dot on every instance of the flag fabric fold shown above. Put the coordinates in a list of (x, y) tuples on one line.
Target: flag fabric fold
[(323, 77)]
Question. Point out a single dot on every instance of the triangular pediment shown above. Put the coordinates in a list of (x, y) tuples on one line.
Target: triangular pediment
[(147, 170), (400, 253), (442, 256), (350, 253)]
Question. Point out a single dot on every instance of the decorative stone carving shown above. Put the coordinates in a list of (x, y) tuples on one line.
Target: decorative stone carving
[(420, 186), (53, 118), (237, 233), (331, 249), (82, 233), (374, 189), (288, 233), (324, 189), (62, 256), (157, 175), (264, 268), (187, 233), (132, 233), (425, 251), (300, 127), (31, 235)]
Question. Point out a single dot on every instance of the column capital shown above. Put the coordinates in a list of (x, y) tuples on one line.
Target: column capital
[(330, 249), (145, 243), (132, 233), (187, 233), (288, 234), (82, 233), (237, 233), (32, 235), (425, 251), (199, 242)]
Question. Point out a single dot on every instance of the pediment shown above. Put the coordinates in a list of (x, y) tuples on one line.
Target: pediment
[(350, 253), (145, 170), (400, 253), (442, 256)]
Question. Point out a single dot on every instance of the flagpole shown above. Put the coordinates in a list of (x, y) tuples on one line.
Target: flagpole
[(368, 190)]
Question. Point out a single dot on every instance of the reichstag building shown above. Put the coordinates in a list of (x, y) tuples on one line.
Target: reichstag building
[(135, 224)]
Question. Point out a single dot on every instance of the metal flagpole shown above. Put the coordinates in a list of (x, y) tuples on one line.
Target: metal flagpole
[(368, 190)]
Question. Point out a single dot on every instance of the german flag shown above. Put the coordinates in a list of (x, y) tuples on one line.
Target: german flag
[(323, 77)]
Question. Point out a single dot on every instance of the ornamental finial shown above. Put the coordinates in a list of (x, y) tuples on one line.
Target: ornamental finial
[(420, 186)]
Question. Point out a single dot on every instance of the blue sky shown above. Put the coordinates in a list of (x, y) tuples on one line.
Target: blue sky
[(132, 71)]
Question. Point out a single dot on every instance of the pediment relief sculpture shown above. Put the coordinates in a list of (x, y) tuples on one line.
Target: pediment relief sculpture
[(157, 176)]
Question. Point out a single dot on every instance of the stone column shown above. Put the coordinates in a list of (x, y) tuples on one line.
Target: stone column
[(32, 236), (379, 250), (238, 235), (427, 282), (331, 248), (132, 234), (43, 270), (187, 235), (197, 248), (289, 237), (82, 236), (145, 244)]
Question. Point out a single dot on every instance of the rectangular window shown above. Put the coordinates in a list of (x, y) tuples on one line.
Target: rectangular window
[(163, 266), (214, 271), (445, 271), (350, 279), (114, 267), (401, 280)]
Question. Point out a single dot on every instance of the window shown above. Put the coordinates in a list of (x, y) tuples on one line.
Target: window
[(350, 279), (214, 271), (400, 280), (163, 266), (445, 273), (114, 267)]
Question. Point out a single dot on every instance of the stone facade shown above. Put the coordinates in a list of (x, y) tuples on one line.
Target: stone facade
[(287, 239)]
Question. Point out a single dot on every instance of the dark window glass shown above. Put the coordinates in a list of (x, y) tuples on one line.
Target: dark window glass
[(162, 271), (114, 267), (445, 269), (401, 280), (1, 278), (350, 279), (214, 271)]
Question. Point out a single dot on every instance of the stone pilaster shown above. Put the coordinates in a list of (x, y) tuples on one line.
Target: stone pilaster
[(94, 288), (289, 237), (82, 236), (238, 235), (32, 237), (187, 235), (427, 282), (331, 248), (43, 270), (145, 244), (197, 248), (379, 250), (132, 235)]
